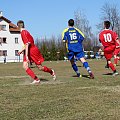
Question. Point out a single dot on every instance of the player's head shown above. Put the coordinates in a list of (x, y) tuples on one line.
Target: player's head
[(107, 24), (71, 23), (20, 24)]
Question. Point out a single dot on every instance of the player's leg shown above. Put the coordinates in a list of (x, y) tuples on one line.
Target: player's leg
[(75, 68), (80, 56), (48, 70), (113, 68), (107, 65), (116, 52), (30, 73), (71, 56), (118, 57), (108, 57), (37, 58), (115, 60), (86, 65)]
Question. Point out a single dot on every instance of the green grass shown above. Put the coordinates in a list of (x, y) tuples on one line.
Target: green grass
[(68, 98)]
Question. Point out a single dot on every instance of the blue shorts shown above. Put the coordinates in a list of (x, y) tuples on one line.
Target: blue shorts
[(78, 55)]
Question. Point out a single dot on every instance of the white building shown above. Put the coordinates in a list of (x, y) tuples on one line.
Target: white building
[(10, 41)]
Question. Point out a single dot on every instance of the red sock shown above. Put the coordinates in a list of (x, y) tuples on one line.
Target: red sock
[(112, 66), (45, 69), (115, 60), (31, 74)]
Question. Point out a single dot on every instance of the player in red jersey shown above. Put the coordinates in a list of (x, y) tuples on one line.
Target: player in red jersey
[(116, 53), (108, 39), (32, 53)]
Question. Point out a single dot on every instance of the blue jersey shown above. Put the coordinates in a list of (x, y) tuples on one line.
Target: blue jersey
[(73, 37)]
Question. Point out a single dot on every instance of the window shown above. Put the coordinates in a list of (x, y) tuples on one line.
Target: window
[(0, 40), (4, 40), (3, 27), (3, 52), (16, 52), (16, 40), (0, 52)]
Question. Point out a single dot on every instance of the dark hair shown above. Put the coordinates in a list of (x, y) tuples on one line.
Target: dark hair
[(71, 22), (107, 24), (21, 22)]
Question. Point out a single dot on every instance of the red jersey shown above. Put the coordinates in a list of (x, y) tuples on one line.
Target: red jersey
[(117, 45), (34, 53), (27, 38), (108, 37)]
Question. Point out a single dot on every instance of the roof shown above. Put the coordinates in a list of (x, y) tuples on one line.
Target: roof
[(12, 27), (1, 17)]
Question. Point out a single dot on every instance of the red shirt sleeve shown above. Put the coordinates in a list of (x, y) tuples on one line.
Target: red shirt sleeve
[(100, 37), (24, 36), (27, 38), (115, 36)]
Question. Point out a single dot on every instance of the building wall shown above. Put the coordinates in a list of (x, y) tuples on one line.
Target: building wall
[(10, 44)]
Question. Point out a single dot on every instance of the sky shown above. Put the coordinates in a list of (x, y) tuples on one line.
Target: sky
[(49, 17)]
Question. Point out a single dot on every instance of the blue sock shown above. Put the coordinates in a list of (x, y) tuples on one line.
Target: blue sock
[(85, 64), (75, 68)]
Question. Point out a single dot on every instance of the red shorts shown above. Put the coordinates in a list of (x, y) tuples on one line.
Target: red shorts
[(108, 52), (117, 51), (34, 56)]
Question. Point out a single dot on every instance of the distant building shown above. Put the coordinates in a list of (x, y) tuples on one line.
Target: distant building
[(10, 41)]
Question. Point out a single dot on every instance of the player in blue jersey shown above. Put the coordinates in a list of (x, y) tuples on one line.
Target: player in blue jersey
[(73, 37)]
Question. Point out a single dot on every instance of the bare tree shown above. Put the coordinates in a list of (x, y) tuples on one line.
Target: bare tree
[(111, 13), (82, 23)]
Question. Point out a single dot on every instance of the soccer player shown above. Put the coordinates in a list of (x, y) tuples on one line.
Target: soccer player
[(32, 53), (108, 39), (116, 53), (73, 37)]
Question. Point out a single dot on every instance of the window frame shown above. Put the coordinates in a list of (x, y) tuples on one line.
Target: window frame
[(16, 52), (4, 52), (16, 40), (4, 42), (3, 27)]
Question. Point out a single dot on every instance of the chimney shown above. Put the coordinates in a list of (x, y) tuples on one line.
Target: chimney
[(1, 13)]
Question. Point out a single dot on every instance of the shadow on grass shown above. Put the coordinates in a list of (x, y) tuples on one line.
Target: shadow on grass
[(33, 66), (85, 76), (118, 65), (108, 74), (79, 66), (43, 80)]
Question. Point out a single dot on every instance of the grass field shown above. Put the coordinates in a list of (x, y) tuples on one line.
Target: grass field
[(68, 98)]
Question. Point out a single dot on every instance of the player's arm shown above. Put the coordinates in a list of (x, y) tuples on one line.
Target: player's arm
[(118, 42), (26, 43), (100, 44), (116, 39), (26, 51), (21, 51), (64, 38)]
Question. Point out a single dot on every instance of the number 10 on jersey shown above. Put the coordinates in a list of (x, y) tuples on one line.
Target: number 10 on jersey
[(108, 37)]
